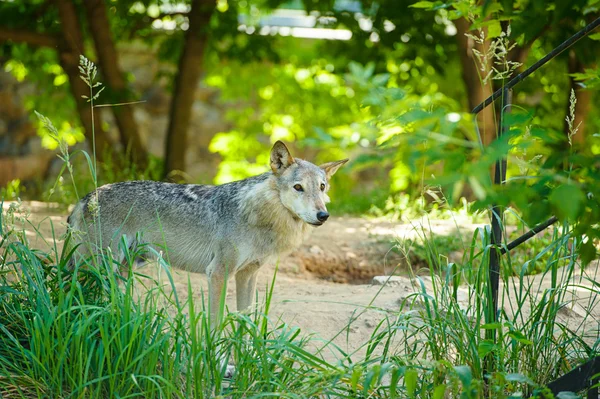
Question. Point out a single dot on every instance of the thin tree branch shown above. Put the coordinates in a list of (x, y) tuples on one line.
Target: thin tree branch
[(29, 37)]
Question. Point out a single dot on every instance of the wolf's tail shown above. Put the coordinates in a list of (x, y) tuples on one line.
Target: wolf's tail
[(75, 218)]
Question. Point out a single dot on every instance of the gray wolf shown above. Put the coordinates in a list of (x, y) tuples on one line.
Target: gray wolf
[(223, 231)]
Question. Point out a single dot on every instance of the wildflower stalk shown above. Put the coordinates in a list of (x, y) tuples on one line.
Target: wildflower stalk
[(493, 61), (570, 119), (89, 73)]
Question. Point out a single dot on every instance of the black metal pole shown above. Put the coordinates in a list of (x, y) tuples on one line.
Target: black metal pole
[(496, 239), (536, 229), (497, 213), (593, 392), (582, 377), (562, 47)]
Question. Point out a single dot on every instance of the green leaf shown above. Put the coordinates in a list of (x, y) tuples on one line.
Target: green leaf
[(381, 79), (568, 200), (371, 374), (486, 347), (439, 392), (410, 380), (516, 377), (595, 36), (356, 69), (423, 4), (455, 191), (368, 71), (464, 375), (517, 118), (587, 252), (491, 8), (494, 29), (462, 10), (373, 159), (491, 326), (568, 395), (519, 337), (414, 115), (394, 383), (356, 373), (477, 188), (323, 135)]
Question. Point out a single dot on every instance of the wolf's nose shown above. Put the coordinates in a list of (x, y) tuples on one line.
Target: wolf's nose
[(322, 216)]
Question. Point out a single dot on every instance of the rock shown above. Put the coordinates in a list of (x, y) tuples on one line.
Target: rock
[(206, 94), (390, 281), (199, 112), (157, 100), (21, 153), (24, 168), (315, 249), (34, 146)]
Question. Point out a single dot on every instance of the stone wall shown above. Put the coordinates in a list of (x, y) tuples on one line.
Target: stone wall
[(151, 82), (21, 154)]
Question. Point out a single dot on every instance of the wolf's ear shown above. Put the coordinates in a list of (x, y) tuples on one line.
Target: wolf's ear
[(281, 158), (331, 167)]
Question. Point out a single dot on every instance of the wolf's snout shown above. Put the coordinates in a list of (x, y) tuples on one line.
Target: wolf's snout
[(322, 216)]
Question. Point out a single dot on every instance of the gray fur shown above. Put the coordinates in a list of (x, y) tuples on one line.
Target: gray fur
[(225, 230)]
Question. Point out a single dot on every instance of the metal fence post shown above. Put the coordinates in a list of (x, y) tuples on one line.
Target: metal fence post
[(496, 238)]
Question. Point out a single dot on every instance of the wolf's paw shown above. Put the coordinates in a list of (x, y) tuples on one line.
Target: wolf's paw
[(229, 371)]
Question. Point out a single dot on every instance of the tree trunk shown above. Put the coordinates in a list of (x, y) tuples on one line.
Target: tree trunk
[(472, 77), (584, 101), (108, 59), (190, 68), (70, 48)]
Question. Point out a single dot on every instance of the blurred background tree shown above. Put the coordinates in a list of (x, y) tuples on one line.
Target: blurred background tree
[(336, 78)]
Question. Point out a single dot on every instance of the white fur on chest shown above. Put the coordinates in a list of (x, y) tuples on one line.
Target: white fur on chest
[(272, 230)]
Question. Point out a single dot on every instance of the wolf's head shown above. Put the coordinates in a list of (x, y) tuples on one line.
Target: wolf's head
[(303, 185)]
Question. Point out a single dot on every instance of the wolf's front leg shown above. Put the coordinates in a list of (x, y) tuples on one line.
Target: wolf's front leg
[(245, 286), (216, 284)]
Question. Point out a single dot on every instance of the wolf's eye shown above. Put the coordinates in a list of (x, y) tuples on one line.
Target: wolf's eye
[(322, 186), (298, 187)]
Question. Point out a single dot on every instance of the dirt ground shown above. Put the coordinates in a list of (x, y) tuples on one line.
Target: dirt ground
[(320, 286)]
